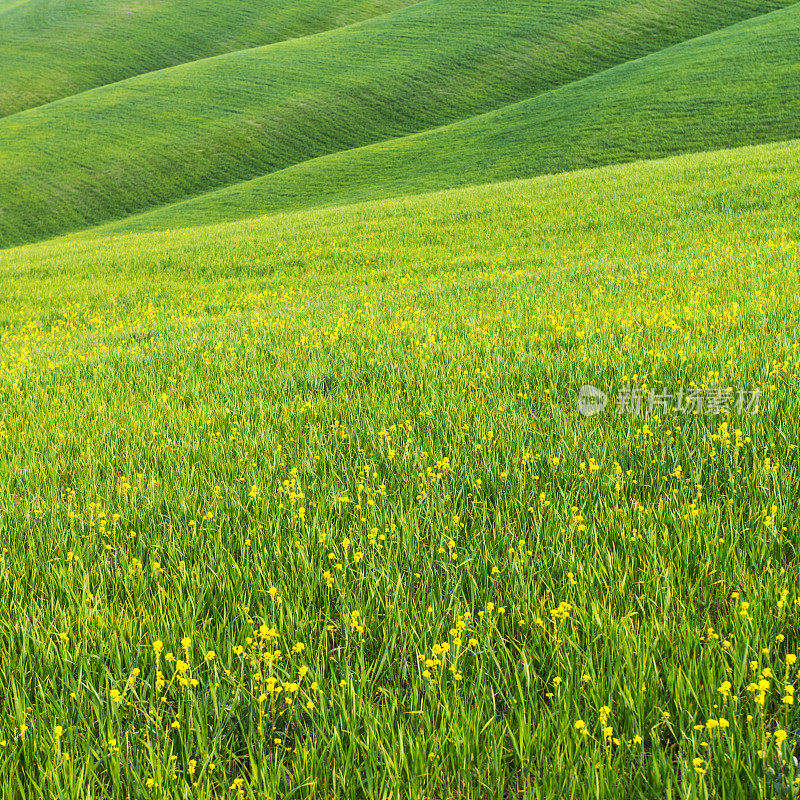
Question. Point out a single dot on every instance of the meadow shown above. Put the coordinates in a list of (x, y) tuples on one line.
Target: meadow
[(168, 135), (303, 506)]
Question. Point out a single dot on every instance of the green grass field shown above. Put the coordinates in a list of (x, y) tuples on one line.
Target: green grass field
[(164, 136), (303, 506), (300, 492)]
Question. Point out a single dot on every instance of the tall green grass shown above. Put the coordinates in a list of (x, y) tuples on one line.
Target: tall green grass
[(150, 140), (304, 507), (729, 88)]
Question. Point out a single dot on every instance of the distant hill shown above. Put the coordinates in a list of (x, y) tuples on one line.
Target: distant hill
[(51, 49), (730, 88), (165, 136)]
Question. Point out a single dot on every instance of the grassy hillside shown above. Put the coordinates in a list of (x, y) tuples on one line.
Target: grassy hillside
[(729, 88), (304, 505), (54, 48), (167, 135)]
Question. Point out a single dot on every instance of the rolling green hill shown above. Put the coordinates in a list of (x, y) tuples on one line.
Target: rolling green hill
[(730, 88), (54, 48), (582, 214), (168, 135)]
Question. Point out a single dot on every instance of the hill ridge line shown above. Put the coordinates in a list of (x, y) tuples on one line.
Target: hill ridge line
[(96, 234), (342, 28), (13, 6), (182, 64), (440, 128), (53, 189)]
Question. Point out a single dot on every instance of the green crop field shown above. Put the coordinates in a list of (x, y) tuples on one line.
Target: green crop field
[(303, 506), (399, 400)]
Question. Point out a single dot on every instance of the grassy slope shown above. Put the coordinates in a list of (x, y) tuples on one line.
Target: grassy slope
[(159, 377), (162, 137), (54, 48), (583, 210), (729, 88)]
